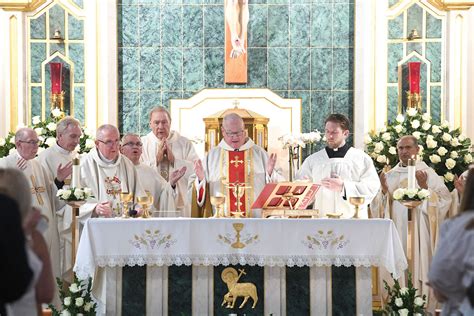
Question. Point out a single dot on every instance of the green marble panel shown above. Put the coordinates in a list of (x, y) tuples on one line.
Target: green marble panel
[(57, 47), (343, 25), (148, 100), (343, 1), (150, 70), (392, 103), (128, 114), (166, 96), (257, 31), (36, 101), (434, 55), (392, 2), (79, 104), (56, 19), (435, 109), (321, 25), (257, 67), (75, 28), (253, 274), (180, 296), (434, 26), (38, 27), (395, 54), (150, 25), (343, 102), (212, 2), (127, 25), (299, 21), (147, 2), (172, 26), (193, 68), (177, 2), (172, 64), (213, 26), (302, 1), (278, 26), (343, 291), (278, 2), (299, 74), (278, 68), (134, 290), (395, 27), (76, 54), (321, 107), (343, 68), (38, 55), (321, 68), (297, 291), (128, 68), (414, 47), (305, 97), (415, 19), (282, 93), (192, 26), (213, 67), (79, 3), (128, 2)]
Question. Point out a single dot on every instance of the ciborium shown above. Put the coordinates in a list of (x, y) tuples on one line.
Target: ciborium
[(145, 202), (218, 203), (125, 198), (357, 201)]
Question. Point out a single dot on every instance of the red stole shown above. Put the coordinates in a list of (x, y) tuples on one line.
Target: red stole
[(236, 174)]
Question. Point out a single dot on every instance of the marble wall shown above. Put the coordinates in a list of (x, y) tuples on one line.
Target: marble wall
[(174, 48)]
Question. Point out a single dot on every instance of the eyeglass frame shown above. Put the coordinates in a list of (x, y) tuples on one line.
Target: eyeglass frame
[(30, 142), (131, 144), (233, 134), (110, 143)]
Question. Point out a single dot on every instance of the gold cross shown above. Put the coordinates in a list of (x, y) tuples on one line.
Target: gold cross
[(236, 161), (37, 190)]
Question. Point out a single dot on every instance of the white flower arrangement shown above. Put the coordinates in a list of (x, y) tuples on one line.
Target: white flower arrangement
[(300, 139), (402, 194), (404, 301), (76, 299), (74, 194)]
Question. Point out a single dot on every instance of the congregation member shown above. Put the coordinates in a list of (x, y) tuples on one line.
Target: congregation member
[(168, 151), (236, 159), (107, 173), (42, 188), (430, 213), (154, 184), (57, 161), (342, 171), (457, 193), (41, 287), (452, 270)]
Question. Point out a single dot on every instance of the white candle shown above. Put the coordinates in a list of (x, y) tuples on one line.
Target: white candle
[(411, 173), (76, 175)]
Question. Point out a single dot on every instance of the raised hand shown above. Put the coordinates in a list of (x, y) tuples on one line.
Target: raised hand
[(422, 179), (176, 175), (169, 152), (21, 163), (161, 152), (103, 209), (199, 169), (459, 184), (64, 172), (271, 163), (383, 182)]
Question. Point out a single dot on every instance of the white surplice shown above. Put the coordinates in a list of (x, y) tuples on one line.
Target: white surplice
[(43, 196), (107, 180), (359, 175), (163, 194), (184, 154), (430, 215), (216, 169), (50, 159)]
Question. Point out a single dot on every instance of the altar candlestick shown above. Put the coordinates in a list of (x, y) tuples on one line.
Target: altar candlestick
[(56, 77), (414, 76), (76, 175), (411, 173)]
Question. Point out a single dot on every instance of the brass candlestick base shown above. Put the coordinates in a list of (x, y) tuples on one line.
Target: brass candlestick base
[(75, 205), (357, 201)]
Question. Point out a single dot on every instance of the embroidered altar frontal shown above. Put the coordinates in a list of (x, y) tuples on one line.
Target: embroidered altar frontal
[(247, 266)]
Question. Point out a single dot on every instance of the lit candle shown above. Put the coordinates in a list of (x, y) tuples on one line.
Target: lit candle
[(414, 76), (76, 175), (411, 173)]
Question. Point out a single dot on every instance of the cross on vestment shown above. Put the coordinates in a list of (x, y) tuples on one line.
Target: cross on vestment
[(235, 57), (236, 161), (37, 190)]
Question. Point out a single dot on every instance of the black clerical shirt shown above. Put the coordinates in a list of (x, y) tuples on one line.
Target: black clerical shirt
[(339, 152)]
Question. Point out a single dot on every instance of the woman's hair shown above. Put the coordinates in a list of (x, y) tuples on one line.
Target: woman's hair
[(467, 202), (14, 184)]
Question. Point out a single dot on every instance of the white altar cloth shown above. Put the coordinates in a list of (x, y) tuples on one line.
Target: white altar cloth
[(263, 242)]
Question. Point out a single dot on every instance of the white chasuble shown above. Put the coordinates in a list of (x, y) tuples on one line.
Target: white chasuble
[(429, 216), (43, 197), (163, 194), (184, 154), (224, 164), (356, 170), (107, 180)]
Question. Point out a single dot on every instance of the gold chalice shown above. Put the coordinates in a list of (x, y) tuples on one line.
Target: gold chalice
[(218, 203), (145, 202), (356, 201), (125, 199), (238, 227)]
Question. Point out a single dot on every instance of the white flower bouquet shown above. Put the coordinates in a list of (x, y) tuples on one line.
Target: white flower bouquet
[(76, 299), (404, 301), (402, 194), (74, 194)]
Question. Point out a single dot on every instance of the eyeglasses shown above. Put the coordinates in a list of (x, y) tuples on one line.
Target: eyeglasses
[(31, 142), (234, 134), (131, 144), (110, 143)]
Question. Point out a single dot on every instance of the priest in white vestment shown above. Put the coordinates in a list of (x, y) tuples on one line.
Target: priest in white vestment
[(237, 159), (43, 189), (57, 161), (108, 173), (430, 213), (168, 151), (342, 170), (154, 184)]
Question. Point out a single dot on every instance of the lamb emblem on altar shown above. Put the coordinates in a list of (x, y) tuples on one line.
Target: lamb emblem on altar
[(246, 290)]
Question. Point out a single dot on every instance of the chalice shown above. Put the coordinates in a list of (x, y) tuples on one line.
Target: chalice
[(218, 203), (356, 201), (238, 227), (145, 202), (125, 199)]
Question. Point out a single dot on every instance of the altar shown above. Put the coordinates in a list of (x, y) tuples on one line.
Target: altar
[(182, 266)]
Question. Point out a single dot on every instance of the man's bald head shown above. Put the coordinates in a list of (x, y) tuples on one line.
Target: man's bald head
[(26, 142), (108, 141), (233, 130)]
